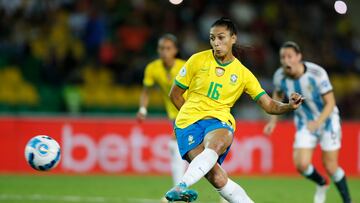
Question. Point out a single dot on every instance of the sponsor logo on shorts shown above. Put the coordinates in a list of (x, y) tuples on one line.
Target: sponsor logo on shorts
[(191, 140)]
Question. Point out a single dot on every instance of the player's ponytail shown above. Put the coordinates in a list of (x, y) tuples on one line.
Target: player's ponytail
[(237, 49)]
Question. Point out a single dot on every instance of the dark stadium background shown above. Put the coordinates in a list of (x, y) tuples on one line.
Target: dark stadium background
[(86, 56), (72, 68)]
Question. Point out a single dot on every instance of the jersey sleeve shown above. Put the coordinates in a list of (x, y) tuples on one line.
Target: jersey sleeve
[(324, 83), (253, 87), (186, 73), (148, 77)]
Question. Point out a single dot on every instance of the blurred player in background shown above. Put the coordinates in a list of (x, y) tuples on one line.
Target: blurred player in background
[(161, 72), (204, 128), (317, 120)]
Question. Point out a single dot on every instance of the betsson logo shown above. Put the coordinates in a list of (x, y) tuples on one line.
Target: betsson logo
[(140, 153)]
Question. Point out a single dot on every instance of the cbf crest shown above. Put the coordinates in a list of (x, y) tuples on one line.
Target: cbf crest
[(233, 78), (219, 71)]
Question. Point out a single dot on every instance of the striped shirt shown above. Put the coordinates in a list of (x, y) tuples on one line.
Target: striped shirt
[(312, 85)]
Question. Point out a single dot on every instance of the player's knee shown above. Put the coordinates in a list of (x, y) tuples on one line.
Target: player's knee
[(218, 147), (218, 140), (302, 166)]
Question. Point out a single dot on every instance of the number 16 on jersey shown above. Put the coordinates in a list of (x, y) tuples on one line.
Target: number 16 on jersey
[(213, 91)]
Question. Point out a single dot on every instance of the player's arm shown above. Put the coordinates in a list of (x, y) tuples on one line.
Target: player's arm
[(176, 96), (148, 82), (271, 106), (181, 83), (143, 104), (274, 107), (329, 104), (271, 124), (325, 88)]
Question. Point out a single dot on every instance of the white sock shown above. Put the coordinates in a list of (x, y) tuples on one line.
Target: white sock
[(309, 170), (338, 175), (200, 166), (234, 193), (178, 165)]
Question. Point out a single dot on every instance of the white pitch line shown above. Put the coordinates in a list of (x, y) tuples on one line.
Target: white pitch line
[(41, 197), (74, 198)]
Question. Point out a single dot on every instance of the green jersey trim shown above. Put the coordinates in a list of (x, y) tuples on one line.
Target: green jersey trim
[(222, 64), (259, 95), (181, 85)]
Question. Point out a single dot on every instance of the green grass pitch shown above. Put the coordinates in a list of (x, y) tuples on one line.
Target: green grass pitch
[(148, 189)]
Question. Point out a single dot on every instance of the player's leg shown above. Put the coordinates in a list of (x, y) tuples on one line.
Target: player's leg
[(219, 140), (330, 161), (180, 192), (190, 140), (177, 164), (204, 157), (304, 146), (228, 189), (302, 161), (330, 145)]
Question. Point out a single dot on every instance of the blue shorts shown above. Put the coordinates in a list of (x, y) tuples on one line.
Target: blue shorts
[(192, 136)]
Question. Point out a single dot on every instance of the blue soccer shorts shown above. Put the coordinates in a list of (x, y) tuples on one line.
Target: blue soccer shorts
[(192, 136)]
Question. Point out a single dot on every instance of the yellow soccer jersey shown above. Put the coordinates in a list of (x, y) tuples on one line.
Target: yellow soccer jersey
[(213, 88), (156, 73)]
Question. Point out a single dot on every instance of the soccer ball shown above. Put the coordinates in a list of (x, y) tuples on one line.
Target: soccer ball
[(42, 153)]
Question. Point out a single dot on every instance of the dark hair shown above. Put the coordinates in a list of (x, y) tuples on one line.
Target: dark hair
[(226, 22), (170, 37), (230, 25), (293, 45)]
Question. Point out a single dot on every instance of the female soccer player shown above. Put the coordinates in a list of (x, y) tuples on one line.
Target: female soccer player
[(161, 72), (204, 127), (317, 120)]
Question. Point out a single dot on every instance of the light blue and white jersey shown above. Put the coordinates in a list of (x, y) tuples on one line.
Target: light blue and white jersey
[(312, 85)]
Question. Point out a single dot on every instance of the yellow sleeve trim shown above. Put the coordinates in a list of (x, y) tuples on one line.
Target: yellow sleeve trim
[(259, 95)]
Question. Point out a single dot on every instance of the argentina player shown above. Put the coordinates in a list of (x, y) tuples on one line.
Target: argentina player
[(316, 121)]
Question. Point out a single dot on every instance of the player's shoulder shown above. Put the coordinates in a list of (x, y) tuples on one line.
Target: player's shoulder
[(241, 68), (198, 59), (154, 64), (179, 62), (314, 69), (201, 55), (279, 74)]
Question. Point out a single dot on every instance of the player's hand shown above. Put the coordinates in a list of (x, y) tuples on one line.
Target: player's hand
[(141, 114), (295, 100), (313, 126), (269, 128)]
